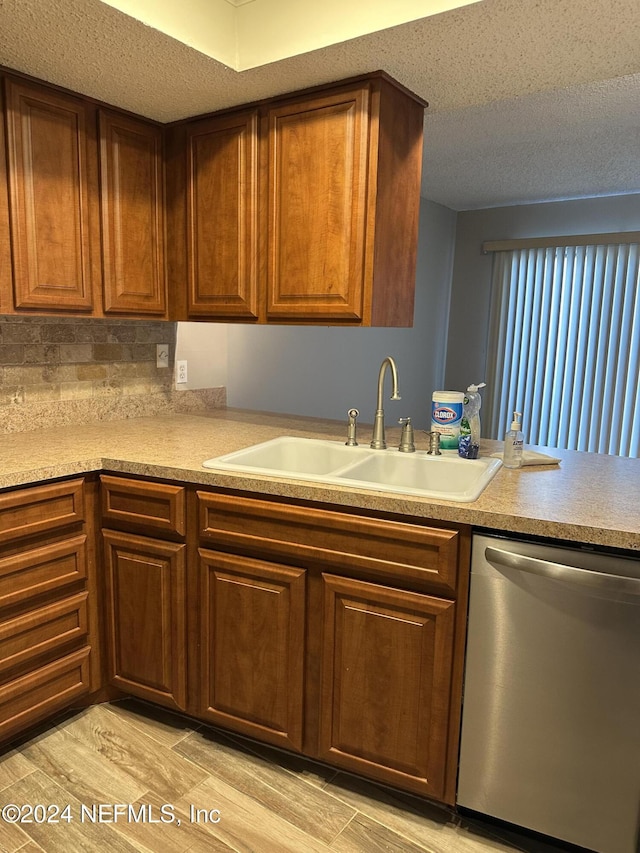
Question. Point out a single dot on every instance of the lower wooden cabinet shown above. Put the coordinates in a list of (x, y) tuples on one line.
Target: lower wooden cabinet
[(386, 678), (49, 636), (382, 643), (252, 640), (145, 614), (40, 692), (330, 633)]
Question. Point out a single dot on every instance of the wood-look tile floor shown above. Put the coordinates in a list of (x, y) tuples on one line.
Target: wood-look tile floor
[(136, 778)]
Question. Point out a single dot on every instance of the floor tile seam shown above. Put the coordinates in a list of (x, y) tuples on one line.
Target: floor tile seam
[(19, 828), (258, 802), (368, 815), (71, 798), (26, 844), (344, 828), (239, 744), (272, 787), (412, 808), (317, 841), (134, 778), (468, 826), (410, 840), (247, 744), (96, 752), (149, 730), (79, 802), (143, 848), (20, 778)]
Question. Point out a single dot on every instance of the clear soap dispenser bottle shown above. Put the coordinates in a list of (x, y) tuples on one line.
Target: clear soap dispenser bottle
[(514, 443)]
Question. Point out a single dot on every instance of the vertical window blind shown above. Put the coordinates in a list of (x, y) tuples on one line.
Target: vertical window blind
[(564, 346)]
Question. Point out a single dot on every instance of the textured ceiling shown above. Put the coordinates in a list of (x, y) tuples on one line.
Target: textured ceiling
[(530, 100)]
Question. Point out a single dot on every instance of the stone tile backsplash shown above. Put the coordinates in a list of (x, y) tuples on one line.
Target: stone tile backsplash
[(55, 371)]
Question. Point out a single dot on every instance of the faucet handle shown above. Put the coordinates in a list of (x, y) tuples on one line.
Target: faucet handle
[(351, 428), (406, 438)]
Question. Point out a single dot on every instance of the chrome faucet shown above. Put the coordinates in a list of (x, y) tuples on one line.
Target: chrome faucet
[(378, 441)]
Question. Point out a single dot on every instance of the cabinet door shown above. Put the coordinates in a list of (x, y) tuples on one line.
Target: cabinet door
[(252, 647), (145, 584), (6, 275), (132, 207), (53, 193), (386, 678), (317, 207), (222, 193)]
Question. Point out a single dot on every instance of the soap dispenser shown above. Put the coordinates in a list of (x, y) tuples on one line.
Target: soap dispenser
[(514, 443), (469, 443), (471, 412)]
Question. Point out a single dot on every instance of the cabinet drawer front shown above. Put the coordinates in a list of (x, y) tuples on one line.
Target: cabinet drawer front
[(42, 570), (141, 505), (41, 509), (40, 631), (425, 557), (34, 696)]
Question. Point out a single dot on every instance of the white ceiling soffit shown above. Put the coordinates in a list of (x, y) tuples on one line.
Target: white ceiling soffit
[(246, 34), (529, 100)]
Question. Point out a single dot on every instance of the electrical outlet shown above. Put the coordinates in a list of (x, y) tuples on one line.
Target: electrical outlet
[(181, 372), (162, 355)]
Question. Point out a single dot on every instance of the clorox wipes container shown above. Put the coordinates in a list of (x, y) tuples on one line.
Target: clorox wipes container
[(446, 416)]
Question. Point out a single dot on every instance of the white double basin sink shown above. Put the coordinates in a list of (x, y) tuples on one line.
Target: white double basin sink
[(418, 474)]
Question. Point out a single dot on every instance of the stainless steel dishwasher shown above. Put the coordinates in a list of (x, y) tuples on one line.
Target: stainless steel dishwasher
[(551, 713)]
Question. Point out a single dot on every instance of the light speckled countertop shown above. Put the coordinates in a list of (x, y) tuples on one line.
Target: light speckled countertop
[(587, 498)]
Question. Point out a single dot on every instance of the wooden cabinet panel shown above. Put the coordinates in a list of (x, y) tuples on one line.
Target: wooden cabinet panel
[(394, 551), (41, 509), (52, 158), (145, 591), (252, 647), (34, 696), (326, 183), (132, 207), (49, 624), (41, 570), (386, 677), (222, 211), (43, 630), (143, 506), (317, 206), (6, 274)]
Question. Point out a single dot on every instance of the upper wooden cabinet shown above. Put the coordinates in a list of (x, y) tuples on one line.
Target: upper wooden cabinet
[(6, 279), (82, 230), (298, 209), (342, 204), (132, 208), (222, 232), (322, 187), (52, 166)]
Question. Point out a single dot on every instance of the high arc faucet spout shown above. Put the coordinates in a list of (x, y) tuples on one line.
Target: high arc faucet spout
[(378, 441)]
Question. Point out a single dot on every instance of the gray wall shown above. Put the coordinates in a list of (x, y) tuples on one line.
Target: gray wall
[(322, 372), (471, 287)]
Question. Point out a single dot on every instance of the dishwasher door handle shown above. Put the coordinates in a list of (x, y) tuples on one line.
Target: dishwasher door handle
[(621, 586)]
